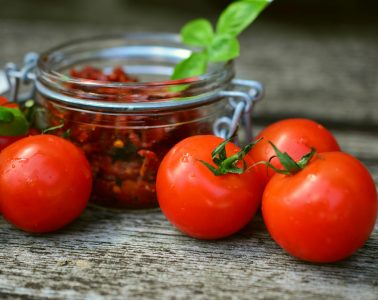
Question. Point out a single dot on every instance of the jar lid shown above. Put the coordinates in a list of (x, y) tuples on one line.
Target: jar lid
[(146, 56)]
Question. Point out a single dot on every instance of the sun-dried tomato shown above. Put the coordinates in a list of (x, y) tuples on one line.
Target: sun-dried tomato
[(124, 151)]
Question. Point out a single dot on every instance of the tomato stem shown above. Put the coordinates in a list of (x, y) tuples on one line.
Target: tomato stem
[(224, 164), (290, 166)]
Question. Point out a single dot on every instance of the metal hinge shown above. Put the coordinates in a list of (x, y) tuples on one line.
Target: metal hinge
[(18, 77), (242, 101)]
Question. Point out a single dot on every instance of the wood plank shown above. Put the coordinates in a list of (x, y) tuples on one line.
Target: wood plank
[(308, 70), (139, 255)]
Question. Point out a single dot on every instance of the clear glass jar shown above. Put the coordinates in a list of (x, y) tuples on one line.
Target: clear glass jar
[(126, 128)]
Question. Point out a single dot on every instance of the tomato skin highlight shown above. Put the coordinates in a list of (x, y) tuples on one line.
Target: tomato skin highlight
[(294, 136), (325, 212), (199, 203), (45, 183)]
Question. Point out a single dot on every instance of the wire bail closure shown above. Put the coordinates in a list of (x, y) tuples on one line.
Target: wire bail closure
[(242, 102), (21, 76)]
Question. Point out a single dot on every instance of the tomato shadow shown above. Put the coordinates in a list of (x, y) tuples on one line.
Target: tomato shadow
[(94, 224), (359, 268)]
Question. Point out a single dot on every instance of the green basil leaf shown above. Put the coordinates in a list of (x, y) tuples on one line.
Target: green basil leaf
[(17, 124), (198, 32), (194, 65), (223, 48), (238, 15), (6, 116)]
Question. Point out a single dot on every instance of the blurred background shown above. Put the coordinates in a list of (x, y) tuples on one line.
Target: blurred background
[(317, 59)]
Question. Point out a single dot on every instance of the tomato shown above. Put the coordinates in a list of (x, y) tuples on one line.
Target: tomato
[(45, 183), (323, 213), (196, 201), (6, 103), (7, 140), (294, 136)]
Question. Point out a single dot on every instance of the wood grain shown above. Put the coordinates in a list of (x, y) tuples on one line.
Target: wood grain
[(139, 255), (308, 70)]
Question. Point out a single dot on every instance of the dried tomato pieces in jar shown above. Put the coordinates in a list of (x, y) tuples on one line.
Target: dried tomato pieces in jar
[(125, 122), (124, 151)]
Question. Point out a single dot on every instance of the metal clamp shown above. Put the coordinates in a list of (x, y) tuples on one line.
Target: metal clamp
[(242, 101), (21, 76), (242, 97)]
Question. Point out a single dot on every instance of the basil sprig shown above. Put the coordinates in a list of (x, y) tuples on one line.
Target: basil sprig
[(220, 45), (12, 122)]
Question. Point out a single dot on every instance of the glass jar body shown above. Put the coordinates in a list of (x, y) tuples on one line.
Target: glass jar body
[(125, 129), (125, 150)]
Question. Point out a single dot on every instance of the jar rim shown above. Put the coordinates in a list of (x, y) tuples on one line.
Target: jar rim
[(204, 89), (42, 63)]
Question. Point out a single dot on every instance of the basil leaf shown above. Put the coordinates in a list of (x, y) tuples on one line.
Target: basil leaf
[(17, 124), (6, 116), (219, 46), (239, 15), (223, 48), (194, 65), (198, 32)]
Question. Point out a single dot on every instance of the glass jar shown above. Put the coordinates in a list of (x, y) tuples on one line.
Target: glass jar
[(126, 128)]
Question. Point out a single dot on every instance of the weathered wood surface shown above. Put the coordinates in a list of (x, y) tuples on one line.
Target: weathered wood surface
[(324, 69), (139, 255), (309, 70)]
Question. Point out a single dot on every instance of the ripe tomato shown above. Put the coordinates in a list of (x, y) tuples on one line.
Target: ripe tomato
[(294, 136), (6, 103), (196, 201), (7, 140), (323, 213), (45, 183)]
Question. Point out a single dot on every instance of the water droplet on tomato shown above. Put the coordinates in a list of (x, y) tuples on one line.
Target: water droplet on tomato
[(22, 160), (185, 158), (303, 140)]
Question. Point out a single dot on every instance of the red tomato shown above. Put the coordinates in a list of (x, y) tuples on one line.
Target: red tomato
[(6, 103), (7, 140), (294, 136), (45, 183), (323, 213), (196, 201)]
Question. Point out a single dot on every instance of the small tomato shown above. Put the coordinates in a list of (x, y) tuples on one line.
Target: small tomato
[(196, 201), (324, 212), (294, 136), (7, 136), (7, 140), (45, 183)]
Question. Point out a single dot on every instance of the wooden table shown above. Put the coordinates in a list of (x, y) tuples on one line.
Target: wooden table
[(319, 70)]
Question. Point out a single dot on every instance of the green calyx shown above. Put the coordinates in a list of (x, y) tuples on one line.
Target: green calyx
[(221, 44), (290, 166), (12, 122), (224, 164)]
